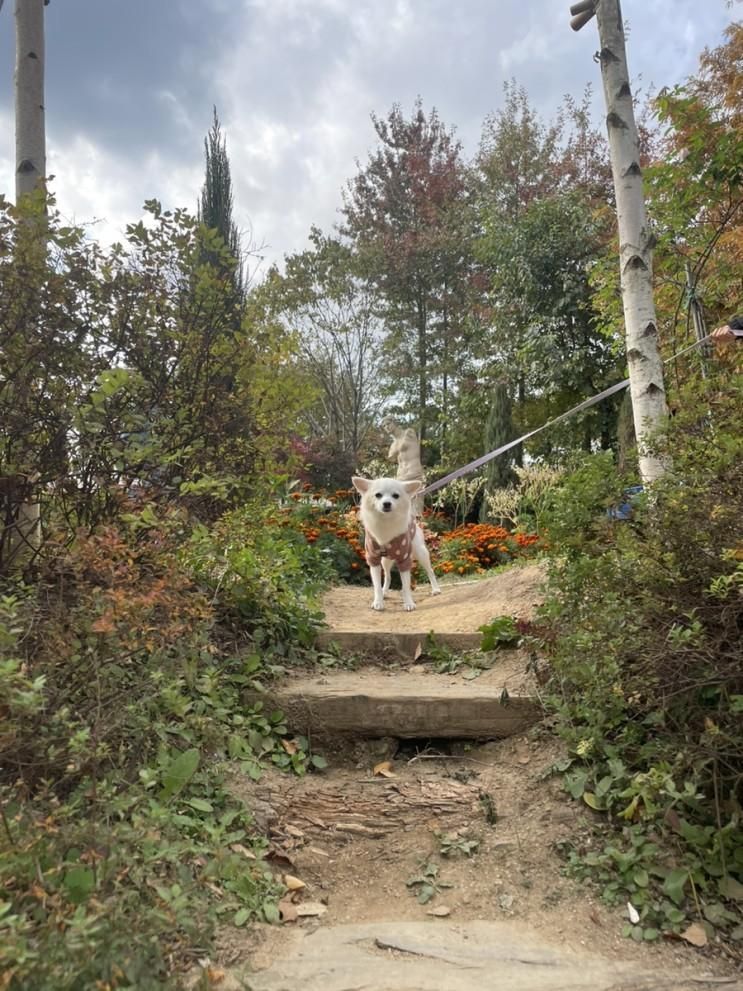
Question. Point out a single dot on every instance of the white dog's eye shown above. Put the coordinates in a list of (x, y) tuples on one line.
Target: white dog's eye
[(377, 495), (395, 495)]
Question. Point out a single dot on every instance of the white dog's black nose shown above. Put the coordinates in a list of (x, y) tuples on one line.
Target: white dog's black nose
[(386, 506)]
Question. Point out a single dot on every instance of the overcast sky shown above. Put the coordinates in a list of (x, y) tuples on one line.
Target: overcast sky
[(130, 86)]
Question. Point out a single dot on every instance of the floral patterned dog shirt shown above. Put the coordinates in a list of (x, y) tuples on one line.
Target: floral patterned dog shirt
[(400, 549)]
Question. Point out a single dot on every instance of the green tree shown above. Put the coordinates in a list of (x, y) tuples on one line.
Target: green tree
[(216, 205), (332, 311), (517, 160), (407, 214), (543, 192), (499, 430), (695, 189)]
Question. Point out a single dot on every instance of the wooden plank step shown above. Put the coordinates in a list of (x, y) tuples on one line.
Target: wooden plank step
[(409, 704), (453, 617), (405, 644)]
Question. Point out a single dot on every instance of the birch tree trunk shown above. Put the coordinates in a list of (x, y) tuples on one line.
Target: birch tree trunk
[(635, 256), (30, 172), (30, 134)]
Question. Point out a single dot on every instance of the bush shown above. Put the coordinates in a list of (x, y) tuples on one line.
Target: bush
[(263, 579), (119, 845), (643, 622)]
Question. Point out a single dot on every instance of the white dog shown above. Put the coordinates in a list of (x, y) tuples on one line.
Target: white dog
[(392, 536)]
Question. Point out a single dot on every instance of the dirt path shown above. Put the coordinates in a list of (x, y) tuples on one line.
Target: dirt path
[(484, 825), (356, 839), (462, 606)]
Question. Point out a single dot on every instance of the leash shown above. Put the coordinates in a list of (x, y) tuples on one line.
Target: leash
[(586, 404)]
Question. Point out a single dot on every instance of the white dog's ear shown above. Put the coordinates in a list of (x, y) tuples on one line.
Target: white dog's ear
[(412, 487), (360, 484)]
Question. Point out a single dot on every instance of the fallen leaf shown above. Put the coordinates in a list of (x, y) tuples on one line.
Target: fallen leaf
[(288, 910), (318, 851), (239, 848), (441, 911), (279, 858), (384, 769), (215, 975), (307, 909), (293, 883), (505, 902), (595, 917), (418, 651), (634, 915), (290, 746), (293, 831), (695, 934)]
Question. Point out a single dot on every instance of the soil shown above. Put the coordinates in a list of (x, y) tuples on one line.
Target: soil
[(356, 862), (357, 834), (461, 608)]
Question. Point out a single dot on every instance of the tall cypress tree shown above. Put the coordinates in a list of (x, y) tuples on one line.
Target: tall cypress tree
[(499, 430), (215, 207)]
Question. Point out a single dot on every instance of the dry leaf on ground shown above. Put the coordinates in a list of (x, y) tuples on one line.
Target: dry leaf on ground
[(288, 910), (695, 934), (385, 769), (239, 848), (293, 883)]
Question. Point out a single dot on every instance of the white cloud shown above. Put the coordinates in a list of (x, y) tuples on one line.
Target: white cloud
[(94, 186), (295, 81)]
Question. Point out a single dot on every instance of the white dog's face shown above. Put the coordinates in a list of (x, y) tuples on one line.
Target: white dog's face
[(386, 495)]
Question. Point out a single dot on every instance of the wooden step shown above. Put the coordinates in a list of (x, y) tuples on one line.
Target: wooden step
[(453, 617), (410, 704), (378, 643)]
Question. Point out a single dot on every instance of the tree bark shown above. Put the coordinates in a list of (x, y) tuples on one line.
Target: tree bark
[(635, 244), (30, 171), (30, 135), (422, 316)]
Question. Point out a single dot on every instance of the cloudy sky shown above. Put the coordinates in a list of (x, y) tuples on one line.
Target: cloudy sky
[(130, 86)]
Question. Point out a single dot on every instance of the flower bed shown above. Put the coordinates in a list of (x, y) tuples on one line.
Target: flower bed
[(474, 547), (329, 522)]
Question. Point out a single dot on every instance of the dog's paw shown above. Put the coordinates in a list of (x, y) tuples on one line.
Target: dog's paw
[(435, 590), (378, 604), (408, 606)]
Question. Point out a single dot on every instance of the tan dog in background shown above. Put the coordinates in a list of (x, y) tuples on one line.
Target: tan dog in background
[(392, 536), (406, 450)]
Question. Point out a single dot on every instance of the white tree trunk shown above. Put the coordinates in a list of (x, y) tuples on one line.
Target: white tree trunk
[(30, 171), (30, 139), (635, 256)]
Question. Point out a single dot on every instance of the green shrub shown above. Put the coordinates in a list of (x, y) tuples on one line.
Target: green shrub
[(264, 580), (643, 622), (120, 847)]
